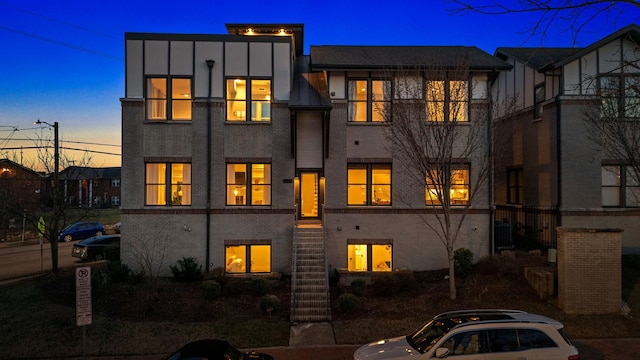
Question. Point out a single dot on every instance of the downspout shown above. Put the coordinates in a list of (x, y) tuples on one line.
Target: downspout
[(491, 171), (210, 64)]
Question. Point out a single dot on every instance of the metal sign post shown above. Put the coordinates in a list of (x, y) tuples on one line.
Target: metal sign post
[(41, 229), (83, 301)]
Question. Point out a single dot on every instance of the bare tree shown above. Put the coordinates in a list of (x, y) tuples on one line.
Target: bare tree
[(612, 118), (567, 15), (149, 252), (432, 137)]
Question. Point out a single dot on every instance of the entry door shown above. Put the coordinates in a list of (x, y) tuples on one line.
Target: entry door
[(309, 194)]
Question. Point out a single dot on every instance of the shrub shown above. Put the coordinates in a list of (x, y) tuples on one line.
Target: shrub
[(358, 287), (348, 303), (112, 253), (270, 303), (118, 272), (234, 286), (189, 270), (260, 286), (210, 289), (463, 262), (385, 284)]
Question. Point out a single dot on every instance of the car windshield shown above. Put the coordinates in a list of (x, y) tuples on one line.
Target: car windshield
[(427, 335)]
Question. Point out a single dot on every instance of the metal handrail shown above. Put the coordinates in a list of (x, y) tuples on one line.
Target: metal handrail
[(294, 259), (326, 267)]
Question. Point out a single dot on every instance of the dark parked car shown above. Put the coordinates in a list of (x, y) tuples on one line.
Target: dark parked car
[(98, 248), (214, 349), (81, 230)]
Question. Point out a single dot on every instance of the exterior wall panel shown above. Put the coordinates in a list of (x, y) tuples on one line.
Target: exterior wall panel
[(156, 57), (134, 68), (260, 59), (181, 58), (282, 70), (208, 51), (236, 57)]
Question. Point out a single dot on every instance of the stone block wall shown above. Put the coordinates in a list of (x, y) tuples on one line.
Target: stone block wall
[(589, 270)]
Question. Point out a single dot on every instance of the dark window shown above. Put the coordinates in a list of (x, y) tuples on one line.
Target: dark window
[(539, 97), (515, 186)]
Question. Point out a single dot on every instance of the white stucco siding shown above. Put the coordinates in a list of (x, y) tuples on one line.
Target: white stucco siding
[(630, 53), (208, 51), (572, 78), (236, 56), (134, 70), (528, 86), (156, 57), (519, 84), (282, 70), (181, 58), (479, 86), (589, 73), (260, 59), (609, 56), (337, 85)]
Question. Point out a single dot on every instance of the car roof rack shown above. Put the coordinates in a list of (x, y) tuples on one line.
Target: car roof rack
[(509, 321), (478, 312)]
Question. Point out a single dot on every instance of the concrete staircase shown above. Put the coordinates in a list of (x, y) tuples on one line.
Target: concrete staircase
[(309, 278)]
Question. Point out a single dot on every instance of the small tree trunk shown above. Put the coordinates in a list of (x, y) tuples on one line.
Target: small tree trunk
[(452, 276)]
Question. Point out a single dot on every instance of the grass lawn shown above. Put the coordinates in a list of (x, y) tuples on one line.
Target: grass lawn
[(37, 317)]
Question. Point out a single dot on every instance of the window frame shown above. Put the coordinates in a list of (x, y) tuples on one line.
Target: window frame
[(370, 101), (166, 183), (249, 263), (515, 186), (249, 184), (369, 186), (170, 101), (618, 96), (248, 113), (370, 254), (447, 101), (539, 96), (628, 193), (448, 185)]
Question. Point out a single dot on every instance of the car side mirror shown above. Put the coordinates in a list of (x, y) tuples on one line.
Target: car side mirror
[(442, 352)]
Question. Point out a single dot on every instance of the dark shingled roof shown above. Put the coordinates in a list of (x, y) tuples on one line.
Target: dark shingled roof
[(398, 57), (79, 172), (309, 91), (537, 58)]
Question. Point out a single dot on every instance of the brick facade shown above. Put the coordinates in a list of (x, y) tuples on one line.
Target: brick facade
[(589, 270)]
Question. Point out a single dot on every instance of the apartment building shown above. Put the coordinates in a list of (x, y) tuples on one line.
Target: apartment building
[(238, 147), (551, 168)]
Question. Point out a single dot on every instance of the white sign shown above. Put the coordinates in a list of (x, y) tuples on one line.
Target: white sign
[(83, 296)]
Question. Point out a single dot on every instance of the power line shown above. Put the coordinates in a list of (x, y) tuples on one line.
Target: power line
[(62, 148), (61, 43), (69, 141), (58, 21)]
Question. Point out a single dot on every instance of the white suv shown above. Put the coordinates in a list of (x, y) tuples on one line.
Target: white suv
[(478, 335)]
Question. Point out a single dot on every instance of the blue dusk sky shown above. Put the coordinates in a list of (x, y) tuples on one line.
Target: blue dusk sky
[(64, 60)]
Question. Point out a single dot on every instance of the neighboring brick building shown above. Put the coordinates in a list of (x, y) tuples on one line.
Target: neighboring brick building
[(91, 187), (549, 162), (233, 142), (20, 188)]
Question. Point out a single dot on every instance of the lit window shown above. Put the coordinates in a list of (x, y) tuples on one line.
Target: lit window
[(248, 258), (179, 105), (451, 186), (369, 257), (243, 192), (450, 95), (259, 97), (369, 184), (177, 175), (369, 100)]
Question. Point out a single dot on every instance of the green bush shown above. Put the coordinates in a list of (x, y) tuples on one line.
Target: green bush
[(118, 272), (260, 286), (210, 289), (463, 262), (390, 283), (348, 303), (188, 270), (270, 303), (234, 286), (358, 287)]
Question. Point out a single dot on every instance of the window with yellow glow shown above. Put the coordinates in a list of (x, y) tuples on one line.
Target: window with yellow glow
[(451, 96), (158, 104), (243, 192), (177, 175), (369, 184), (369, 100), (259, 98), (369, 257), (248, 259), (455, 182)]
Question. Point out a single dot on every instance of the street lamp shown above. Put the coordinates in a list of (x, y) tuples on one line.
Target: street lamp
[(56, 159)]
